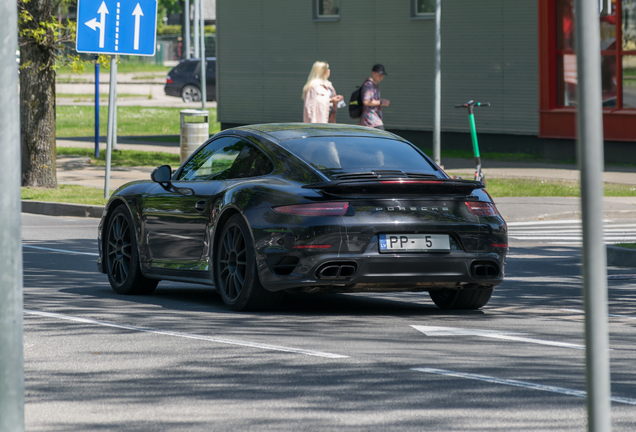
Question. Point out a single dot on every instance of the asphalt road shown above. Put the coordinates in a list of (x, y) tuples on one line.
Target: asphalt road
[(179, 361)]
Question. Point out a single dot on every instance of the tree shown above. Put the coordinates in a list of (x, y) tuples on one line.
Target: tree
[(42, 50), (41, 38)]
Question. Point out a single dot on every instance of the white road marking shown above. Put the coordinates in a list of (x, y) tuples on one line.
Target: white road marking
[(516, 383), (581, 311), (60, 250), (453, 331), (580, 238), (548, 222), (569, 232), (542, 279), (540, 256), (186, 335), (562, 231)]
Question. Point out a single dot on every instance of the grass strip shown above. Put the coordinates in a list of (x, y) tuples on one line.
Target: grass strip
[(79, 121), (95, 196), (122, 67), (101, 95), (66, 194), (121, 158), (626, 245), (503, 188)]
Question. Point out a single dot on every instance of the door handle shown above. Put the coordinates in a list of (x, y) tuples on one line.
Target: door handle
[(200, 205)]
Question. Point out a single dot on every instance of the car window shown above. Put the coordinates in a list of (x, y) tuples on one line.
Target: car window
[(250, 162), (210, 68), (333, 155), (186, 68), (213, 161)]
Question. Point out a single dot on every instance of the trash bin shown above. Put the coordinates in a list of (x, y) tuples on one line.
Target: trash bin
[(193, 134)]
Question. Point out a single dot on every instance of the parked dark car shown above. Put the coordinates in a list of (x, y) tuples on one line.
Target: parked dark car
[(261, 210), (184, 80)]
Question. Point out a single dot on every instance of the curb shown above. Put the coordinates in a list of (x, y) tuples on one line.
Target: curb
[(62, 209), (620, 256)]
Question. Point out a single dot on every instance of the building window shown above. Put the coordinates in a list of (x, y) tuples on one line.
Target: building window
[(423, 8), (618, 64), (558, 77), (326, 9)]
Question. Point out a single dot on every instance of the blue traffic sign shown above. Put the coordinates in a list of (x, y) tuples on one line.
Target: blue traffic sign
[(121, 27)]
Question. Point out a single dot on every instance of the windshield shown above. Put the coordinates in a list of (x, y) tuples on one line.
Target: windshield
[(335, 155)]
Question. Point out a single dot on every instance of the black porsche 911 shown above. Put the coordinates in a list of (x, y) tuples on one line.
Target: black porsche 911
[(262, 210)]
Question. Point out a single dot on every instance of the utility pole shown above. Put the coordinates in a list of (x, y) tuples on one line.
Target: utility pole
[(111, 139), (187, 29), (204, 90), (197, 8), (590, 146), (437, 124), (11, 349)]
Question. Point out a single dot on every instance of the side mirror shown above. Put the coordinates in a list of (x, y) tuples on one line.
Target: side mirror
[(161, 174)]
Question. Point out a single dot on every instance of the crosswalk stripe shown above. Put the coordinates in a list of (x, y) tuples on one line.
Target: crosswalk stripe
[(569, 232)]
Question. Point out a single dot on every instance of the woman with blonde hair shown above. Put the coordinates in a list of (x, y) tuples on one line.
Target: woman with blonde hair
[(319, 95)]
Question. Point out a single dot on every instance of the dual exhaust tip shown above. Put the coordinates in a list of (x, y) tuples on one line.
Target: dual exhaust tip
[(484, 270), (348, 269), (339, 270)]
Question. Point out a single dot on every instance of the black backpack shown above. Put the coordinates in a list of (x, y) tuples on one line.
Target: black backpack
[(355, 103)]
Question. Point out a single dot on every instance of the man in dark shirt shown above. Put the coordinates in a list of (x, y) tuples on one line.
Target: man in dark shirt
[(372, 103)]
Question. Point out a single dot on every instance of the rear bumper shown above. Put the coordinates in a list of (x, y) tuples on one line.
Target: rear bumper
[(376, 272), (171, 90)]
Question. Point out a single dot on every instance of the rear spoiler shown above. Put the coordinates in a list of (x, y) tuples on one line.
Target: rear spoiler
[(399, 186)]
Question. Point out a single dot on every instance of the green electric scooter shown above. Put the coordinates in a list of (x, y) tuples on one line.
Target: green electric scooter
[(479, 176)]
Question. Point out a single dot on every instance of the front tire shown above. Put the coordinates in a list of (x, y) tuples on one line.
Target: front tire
[(191, 93), (122, 257), (461, 299), (236, 277)]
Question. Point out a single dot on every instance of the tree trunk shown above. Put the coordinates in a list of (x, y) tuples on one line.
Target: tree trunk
[(37, 106)]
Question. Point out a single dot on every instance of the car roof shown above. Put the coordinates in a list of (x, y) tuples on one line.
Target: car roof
[(196, 59), (285, 131)]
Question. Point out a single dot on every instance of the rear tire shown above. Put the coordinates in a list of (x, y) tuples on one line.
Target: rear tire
[(461, 299), (191, 93), (122, 257), (235, 274)]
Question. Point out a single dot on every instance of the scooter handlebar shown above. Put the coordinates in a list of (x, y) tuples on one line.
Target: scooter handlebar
[(477, 104)]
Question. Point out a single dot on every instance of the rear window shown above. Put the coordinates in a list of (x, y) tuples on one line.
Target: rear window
[(334, 155), (187, 67)]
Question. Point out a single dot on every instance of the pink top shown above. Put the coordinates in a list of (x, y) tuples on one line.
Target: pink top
[(317, 102)]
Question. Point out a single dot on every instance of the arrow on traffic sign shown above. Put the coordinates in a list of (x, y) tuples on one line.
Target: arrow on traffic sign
[(454, 331), (137, 14), (93, 24)]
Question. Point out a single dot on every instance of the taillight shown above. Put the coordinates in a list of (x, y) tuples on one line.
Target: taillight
[(315, 209), (168, 80), (481, 208)]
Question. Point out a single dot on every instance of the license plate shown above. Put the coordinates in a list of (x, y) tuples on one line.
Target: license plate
[(414, 243)]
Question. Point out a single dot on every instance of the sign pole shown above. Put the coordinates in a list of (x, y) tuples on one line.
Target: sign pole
[(197, 7), (11, 304), (187, 29), (112, 122), (96, 107), (590, 150), (437, 124), (204, 89)]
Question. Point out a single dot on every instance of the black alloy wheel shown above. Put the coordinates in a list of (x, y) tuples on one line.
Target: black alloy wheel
[(236, 277), (461, 299), (121, 256)]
